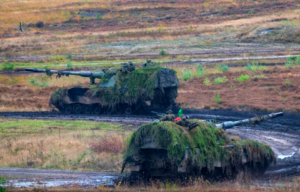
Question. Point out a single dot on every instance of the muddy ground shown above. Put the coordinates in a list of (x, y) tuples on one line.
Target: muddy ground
[(281, 133)]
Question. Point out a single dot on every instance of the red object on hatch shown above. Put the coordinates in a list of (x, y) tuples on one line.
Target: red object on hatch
[(177, 119)]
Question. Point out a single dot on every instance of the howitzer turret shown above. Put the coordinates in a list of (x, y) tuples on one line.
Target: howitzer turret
[(120, 90), (166, 149), (91, 75), (254, 120)]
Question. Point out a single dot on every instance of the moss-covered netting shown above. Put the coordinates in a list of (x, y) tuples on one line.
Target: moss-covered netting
[(129, 87), (206, 144), (57, 96)]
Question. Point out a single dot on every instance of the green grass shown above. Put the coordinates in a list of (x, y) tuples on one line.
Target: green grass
[(254, 67), (287, 81), (36, 83), (220, 80), (217, 98), (289, 64), (69, 65), (222, 68), (186, 75), (199, 71), (20, 127), (243, 78), (8, 66), (207, 81)]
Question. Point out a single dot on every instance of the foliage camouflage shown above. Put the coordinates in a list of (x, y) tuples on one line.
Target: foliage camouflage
[(129, 87), (209, 139)]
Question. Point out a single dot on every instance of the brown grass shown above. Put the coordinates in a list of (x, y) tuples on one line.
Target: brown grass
[(269, 92), (108, 144), (58, 147)]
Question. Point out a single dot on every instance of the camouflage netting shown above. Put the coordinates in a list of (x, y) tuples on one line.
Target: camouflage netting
[(206, 137), (129, 87), (57, 96)]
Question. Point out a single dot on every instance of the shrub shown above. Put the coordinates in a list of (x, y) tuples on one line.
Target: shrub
[(250, 11), (111, 144), (220, 80), (36, 83), (57, 58), (99, 16), (298, 61), (2, 182), (206, 81), (200, 71), (254, 67), (222, 68), (8, 66), (186, 74), (162, 53), (39, 24), (289, 64), (293, 58), (243, 78), (69, 65), (69, 56), (287, 81), (217, 98)]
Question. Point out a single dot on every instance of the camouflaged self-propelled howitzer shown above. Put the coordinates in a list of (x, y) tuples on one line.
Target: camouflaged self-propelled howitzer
[(126, 90), (165, 149)]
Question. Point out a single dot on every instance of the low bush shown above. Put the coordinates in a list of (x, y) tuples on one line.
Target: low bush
[(289, 64), (36, 83), (298, 61), (220, 80), (217, 98), (199, 71), (57, 58), (222, 68), (206, 81), (186, 75), (69, 65), (243, 78), (99, 16), (254, 67), (8, 66), (163, 53)]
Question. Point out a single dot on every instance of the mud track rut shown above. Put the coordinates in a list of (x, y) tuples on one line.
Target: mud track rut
[(282, 134)]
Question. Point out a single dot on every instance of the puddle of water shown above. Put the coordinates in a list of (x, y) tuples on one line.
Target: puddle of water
[(90, 182), (285, 156)]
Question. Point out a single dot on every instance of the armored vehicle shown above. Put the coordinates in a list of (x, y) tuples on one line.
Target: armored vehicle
[(165, 149), (125, 90)]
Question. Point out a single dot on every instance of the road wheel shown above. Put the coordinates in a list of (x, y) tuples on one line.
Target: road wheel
[(97, 109), (128, 110), (119, 109), (110, 110), (87, 109), (68, 109), (77, 109)]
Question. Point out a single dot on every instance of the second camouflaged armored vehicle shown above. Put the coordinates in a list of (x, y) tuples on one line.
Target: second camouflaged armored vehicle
[(165, 149), (121, 90)]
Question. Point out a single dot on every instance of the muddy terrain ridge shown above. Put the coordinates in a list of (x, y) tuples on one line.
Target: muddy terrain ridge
[(281, 134)]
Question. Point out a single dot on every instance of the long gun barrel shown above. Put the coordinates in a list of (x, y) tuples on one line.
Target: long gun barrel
[(254, 120), (91, 75)]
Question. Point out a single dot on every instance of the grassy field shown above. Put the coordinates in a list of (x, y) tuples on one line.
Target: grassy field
[(101, 30), (257, 85), (69, 145)]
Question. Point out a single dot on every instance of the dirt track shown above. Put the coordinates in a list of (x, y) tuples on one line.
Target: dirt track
[(282, 134)]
